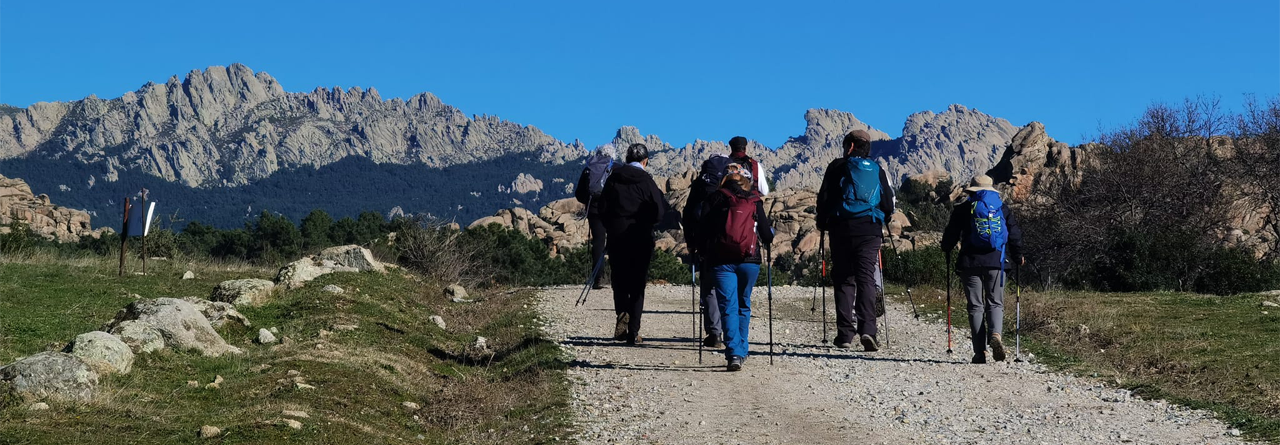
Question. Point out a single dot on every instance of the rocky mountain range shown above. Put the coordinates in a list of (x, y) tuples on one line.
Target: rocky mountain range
[(225, 142)]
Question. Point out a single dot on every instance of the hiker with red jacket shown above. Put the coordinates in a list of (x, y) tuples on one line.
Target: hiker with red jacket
[(707, 183), (855, 200), (735, 235), (990, 241), (631, 205), (590, 185), (738, 153)]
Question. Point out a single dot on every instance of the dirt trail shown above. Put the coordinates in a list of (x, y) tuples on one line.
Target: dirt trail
[(909, 392)]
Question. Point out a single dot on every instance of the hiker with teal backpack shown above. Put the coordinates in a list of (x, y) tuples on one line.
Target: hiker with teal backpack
[(855, 200), (990, 241), (735, 234)]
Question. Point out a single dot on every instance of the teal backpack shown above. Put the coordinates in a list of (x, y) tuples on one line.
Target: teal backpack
[(861, 191)]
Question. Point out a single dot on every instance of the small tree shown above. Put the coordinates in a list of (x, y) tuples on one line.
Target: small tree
[(315, 230)]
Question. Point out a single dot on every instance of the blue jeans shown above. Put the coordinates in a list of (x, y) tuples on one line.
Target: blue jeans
[(733, 290)]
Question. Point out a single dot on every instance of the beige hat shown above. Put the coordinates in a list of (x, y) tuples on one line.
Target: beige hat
[(980, 182)]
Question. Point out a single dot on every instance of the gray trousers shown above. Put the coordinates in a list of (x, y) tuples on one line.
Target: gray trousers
[(710, 304), (986, 303)]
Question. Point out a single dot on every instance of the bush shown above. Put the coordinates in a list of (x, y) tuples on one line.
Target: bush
[(925, 265), (1234, 271)]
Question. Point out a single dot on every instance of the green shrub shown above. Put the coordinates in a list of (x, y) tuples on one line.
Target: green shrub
[(1234, 271), (925, 265)]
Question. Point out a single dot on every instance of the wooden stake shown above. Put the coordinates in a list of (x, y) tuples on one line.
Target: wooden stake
[(124, 235)]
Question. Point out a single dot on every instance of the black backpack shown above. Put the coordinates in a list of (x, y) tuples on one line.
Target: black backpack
[(713, 169), (599, 167)]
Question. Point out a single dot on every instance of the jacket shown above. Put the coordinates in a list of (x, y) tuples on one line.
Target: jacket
[(971, 259), (631, 204), (831, 198), (714, 212)]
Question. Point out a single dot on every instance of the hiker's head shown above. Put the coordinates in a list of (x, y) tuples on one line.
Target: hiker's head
[(638, 153), (607, 150), (857, 144), (980, 183), (738, 144)]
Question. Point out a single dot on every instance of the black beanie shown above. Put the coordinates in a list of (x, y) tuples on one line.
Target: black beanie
[(738, 144)]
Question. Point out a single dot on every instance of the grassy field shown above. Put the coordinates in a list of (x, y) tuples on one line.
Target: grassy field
[(1210, 352), (516, 395)]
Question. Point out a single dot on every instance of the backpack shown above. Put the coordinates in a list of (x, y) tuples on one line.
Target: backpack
[(713, 169), (737, 241), (599, 167), (861, 191), (987, 228)]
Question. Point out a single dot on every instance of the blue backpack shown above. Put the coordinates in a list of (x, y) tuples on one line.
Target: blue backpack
[(988, 229), (861, 191)]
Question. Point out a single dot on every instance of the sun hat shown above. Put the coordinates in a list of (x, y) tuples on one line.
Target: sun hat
[(980, 182)]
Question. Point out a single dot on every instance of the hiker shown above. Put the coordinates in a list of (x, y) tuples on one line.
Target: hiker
[(735, 234), (708, 181), (738, 153), (989, 238), (590, 186), (855, 200), (631, 205)]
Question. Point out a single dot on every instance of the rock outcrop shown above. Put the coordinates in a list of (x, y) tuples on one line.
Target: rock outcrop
[(104, 352), (244, 292), (56, 376), (141, 337), (218, 313), (349, 258), (19, 205), (1035, 167), (179, 322)]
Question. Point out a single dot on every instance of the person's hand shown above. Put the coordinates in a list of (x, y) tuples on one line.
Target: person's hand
[(1024, 261)]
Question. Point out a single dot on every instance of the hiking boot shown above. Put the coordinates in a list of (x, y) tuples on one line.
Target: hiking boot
[(997, 348), (869, 343), (596, 285), (620, 329), (735, 363), (979, 358), (713, 342), (842, 343), (635, 340)]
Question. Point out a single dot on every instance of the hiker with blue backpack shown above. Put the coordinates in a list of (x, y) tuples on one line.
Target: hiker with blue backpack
[(735, 235), (855, 200), (989, 241), (590, 186)]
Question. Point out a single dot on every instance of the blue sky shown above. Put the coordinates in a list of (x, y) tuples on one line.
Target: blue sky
[(681, 70)]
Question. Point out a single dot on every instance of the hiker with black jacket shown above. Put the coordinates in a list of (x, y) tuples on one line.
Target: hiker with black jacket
[(590, 186), (708, 181), (631, 205), (990, 241), (855, 200), (738, 153), (736, 234)]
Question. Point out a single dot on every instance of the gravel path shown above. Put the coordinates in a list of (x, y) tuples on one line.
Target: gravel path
[(909, 392)]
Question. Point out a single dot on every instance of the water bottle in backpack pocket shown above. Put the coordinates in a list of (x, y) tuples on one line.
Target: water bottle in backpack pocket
[(861, 187)]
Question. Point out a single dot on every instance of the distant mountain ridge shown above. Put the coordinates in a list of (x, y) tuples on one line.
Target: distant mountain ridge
[(229, 127)]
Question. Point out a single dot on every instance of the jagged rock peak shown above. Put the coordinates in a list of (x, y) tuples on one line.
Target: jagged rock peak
[(826, 123)]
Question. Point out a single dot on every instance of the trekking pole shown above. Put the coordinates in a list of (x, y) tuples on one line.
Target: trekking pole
[(769, 274), (1017, 327), (822, 281), (586, 290), (883, 304), (948, 275), (898, 253)]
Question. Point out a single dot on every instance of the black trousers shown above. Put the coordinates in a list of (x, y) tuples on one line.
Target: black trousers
[(598, 238), (854, 262), (629, 259)]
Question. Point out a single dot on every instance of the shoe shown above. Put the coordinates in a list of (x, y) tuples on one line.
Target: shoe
[(713, 342), (997, 348), (635, 340), (597, 285), (979, 358), (869, 343), (735, 363), (842, 343), (620, 329)]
